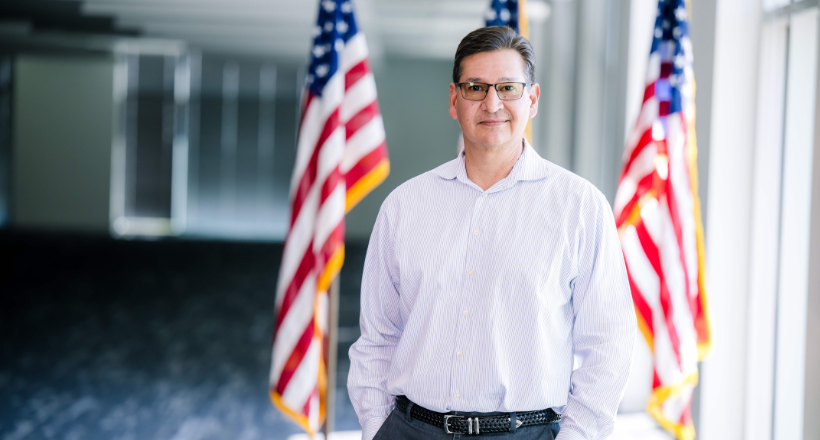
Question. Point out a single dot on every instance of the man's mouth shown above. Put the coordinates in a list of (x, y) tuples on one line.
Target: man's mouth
[(493, 122)]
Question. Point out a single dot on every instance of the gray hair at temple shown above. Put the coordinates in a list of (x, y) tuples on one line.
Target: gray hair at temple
[(489, 39)]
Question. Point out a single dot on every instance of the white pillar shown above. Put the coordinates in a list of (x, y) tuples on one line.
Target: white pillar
[(765, 245), (811, 423), (728, 222), (795, 229)]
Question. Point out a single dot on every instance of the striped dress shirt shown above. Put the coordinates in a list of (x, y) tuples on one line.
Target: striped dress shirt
[(511, 299)]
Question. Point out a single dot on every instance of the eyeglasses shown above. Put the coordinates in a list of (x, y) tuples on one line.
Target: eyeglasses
[(508, 91)]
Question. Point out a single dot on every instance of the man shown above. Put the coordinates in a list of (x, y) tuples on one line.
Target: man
[(487, 276)]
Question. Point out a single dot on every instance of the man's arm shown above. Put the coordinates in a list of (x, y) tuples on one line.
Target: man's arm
[(603, 331), (380, 324)]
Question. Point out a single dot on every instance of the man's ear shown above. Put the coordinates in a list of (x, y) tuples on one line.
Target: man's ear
[(535, 93), (453, 98)]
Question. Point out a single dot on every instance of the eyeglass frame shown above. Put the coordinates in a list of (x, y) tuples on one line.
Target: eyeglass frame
[(494, 86)]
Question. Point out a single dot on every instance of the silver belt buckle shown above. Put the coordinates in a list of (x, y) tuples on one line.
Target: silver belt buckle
[(447, 428), (469, 425)]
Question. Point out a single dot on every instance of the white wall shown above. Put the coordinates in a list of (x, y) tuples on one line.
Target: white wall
[(62, 149)]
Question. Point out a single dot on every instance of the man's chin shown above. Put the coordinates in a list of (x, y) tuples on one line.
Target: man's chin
[(491, 141)]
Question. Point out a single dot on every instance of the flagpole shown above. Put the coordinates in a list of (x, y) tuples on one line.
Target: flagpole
[(332, 352)]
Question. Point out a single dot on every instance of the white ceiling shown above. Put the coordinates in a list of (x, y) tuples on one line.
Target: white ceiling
[(281, 28)]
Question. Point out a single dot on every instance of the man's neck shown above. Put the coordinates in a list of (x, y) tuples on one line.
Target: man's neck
[(487, 165)]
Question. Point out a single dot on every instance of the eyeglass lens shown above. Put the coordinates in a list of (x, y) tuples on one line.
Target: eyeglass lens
[(478, 91)]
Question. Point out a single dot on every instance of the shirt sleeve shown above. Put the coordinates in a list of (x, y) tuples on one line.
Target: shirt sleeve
[(380, 323), (604, 327)]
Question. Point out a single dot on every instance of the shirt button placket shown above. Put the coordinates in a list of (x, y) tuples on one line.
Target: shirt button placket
[(469, 284)]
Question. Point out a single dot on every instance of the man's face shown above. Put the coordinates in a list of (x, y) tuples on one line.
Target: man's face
[(493, 122)]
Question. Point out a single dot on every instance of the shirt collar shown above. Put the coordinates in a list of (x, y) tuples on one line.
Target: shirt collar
[(530, 166)]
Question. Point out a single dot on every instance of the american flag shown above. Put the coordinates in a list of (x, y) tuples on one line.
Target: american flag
[(503, 13), (657, 211), (341, 156)]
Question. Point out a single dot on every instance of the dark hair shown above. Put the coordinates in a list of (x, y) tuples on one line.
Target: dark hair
[(492, 38)]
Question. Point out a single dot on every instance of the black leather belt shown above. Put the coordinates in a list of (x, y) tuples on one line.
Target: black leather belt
[(458, 424)]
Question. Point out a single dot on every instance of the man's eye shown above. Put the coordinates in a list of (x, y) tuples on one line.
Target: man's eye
[(509, 88), (475, 88)]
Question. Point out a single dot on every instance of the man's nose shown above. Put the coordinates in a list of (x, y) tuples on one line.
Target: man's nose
[(492, 102)]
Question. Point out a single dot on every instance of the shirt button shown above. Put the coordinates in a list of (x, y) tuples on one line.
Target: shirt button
[(470, 272), (483, 194), (458, 354), (465, 313), (457, 395), (475, 232)]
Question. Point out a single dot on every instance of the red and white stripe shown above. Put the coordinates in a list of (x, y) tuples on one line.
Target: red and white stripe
[(658, 217), (341, 155)]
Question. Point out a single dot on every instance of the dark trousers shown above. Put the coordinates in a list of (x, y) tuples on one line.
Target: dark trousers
[(400, 426)]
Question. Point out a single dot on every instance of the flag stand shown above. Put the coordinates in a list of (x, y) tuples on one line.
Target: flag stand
[(332, 349)]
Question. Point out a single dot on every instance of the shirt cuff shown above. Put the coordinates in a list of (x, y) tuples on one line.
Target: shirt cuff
[(371, 427), (569, 434)]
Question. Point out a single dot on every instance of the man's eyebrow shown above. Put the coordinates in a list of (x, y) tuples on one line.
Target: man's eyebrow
[(502, 79)]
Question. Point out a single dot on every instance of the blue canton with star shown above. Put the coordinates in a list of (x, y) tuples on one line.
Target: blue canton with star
[(671, 29), (335, 26), (502, 13)]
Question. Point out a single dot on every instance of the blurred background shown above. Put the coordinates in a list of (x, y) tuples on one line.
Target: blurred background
[(146, 151)]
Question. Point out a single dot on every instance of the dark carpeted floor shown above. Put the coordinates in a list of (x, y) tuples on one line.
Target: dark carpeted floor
[(112, 339)]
